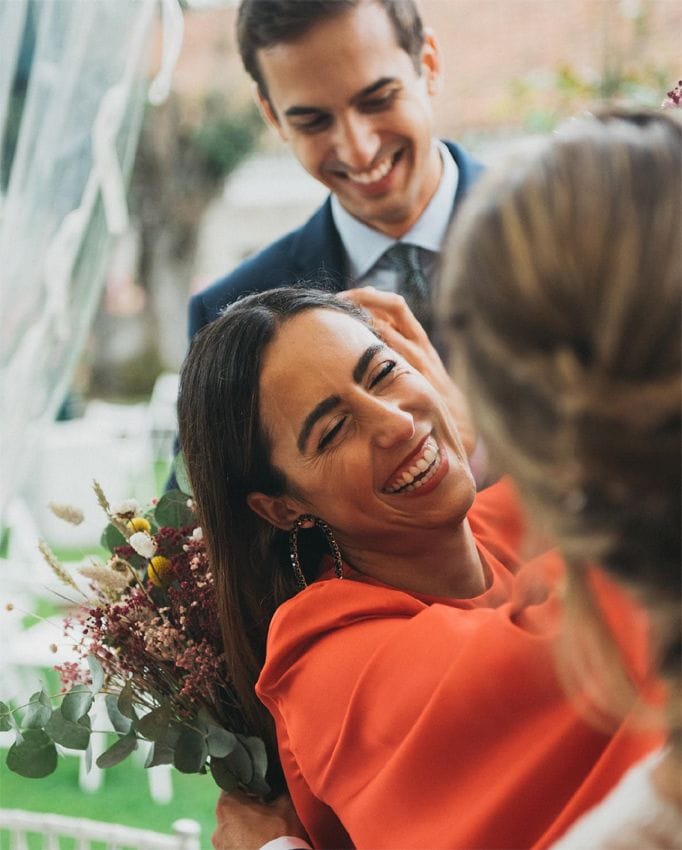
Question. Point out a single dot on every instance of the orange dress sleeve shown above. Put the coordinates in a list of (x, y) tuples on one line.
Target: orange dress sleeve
[(404, 724)]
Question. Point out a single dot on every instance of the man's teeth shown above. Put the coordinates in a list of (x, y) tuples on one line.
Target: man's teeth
[(419, 472), (374, 175)]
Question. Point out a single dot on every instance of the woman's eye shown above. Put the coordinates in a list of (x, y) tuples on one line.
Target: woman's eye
[(384, 370), (329, 435)]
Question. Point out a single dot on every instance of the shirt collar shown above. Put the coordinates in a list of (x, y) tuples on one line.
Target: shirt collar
[(364, 245)]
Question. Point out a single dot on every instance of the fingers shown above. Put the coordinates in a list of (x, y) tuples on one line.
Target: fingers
[(243, 823), (400, 344), (389, 306)]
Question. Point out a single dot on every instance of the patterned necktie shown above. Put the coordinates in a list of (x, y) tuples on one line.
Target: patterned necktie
[(414, 286)]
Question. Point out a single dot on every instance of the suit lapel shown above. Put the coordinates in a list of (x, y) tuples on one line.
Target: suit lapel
[(317, 252), (469, 170)]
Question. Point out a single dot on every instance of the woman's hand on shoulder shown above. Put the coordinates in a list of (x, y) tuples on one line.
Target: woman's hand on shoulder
[(243, 823), (399, 329)]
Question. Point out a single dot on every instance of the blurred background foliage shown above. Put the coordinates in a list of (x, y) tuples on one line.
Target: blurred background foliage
[(543, 100), (188, 147), (511, 68)]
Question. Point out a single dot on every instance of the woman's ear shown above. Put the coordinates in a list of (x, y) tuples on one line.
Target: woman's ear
[(280, 511)]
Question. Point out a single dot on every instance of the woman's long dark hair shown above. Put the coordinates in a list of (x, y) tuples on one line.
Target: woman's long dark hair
[(227, 457)]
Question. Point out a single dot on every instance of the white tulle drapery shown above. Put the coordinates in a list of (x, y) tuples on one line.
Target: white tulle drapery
[(85, 65)]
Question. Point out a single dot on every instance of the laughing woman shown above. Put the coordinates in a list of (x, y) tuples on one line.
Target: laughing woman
[(410, 670)]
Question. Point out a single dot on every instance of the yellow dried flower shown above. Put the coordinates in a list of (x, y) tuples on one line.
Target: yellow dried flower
[(139, 523), (157, 569)]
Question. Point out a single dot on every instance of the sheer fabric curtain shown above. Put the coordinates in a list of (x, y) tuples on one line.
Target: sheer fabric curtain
[(63, 195)]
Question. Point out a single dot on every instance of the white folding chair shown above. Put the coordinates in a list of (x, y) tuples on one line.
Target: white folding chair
[(56, 829)]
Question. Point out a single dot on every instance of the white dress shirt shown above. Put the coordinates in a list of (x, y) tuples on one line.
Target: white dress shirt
[(365, 246)]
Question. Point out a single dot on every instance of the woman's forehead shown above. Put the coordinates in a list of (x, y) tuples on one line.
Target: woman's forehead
[(315, 335), (311, 353)]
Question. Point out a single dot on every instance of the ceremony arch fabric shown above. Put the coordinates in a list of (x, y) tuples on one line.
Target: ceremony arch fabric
[(72, 90)]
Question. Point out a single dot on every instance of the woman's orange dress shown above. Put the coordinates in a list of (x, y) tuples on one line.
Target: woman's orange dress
[(411, 722)]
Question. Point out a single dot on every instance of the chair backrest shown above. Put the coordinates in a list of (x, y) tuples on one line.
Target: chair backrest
[(93, 835)]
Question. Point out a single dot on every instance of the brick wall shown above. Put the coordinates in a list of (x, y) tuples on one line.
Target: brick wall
[(500, 56)]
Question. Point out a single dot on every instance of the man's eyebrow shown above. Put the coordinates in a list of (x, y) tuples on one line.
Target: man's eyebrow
[(325, 406), (295, 111), (301, 111)]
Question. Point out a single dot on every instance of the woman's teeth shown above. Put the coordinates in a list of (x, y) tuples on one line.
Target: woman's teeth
[(419, 471)]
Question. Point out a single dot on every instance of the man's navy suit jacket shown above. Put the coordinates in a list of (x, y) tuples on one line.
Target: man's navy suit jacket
[(312, 254)]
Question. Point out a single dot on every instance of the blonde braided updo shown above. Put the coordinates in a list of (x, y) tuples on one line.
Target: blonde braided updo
[(562, 304)]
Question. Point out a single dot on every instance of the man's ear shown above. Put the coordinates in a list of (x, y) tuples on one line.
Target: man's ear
[(280, 511), (269, 115), (430, 60)]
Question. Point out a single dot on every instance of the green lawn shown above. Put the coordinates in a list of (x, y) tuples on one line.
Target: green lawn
[(123, 798)]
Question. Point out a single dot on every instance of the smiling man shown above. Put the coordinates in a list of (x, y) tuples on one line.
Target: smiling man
[(348, 85)]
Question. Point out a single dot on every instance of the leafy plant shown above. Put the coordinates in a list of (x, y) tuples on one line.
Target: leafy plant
[(148, 640)]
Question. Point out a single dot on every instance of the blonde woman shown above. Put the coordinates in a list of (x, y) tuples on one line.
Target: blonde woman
[(562, 301)]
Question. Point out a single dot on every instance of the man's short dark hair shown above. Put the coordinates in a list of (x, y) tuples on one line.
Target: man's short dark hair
[(264, 23)]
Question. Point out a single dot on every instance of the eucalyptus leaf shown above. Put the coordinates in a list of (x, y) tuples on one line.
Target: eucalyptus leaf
[(38, 711), (6, 717), (125, 701), (111, 538), (190, 751), (259, 787), (118, 751), (154, 725), (120, 723), (239, 762), (159, 753), (75, 736), (259, 756), (181, 475), (204, 719), (96, 673), (171, 510), (32, 755), (77, 703), (220, 742), (172, 734), (223, 776)]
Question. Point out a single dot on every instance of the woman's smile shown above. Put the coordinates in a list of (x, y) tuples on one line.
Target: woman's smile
[(427, 465), (358, 433)]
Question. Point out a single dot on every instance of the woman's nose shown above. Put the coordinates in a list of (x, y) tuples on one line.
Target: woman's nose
[(392, 425), (357, 142)]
